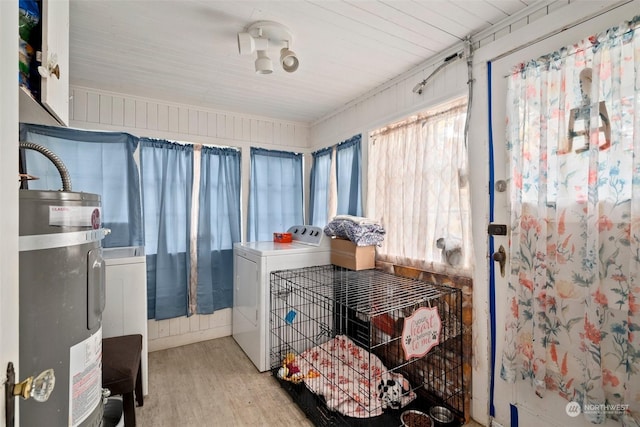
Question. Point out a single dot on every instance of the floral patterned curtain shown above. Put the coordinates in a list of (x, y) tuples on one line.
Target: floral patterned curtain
[(573, 135)]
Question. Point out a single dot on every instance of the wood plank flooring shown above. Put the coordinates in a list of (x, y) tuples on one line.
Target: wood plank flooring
[(213, 383)]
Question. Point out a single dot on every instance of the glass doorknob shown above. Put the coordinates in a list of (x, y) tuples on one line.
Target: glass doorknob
[(39, 388)]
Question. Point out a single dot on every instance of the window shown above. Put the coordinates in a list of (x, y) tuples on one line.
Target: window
[(336, 181), (348, 174), (98, 162), (320, 188), (218, 227), (190, 221), (417, 189), (167, 179), (275, 193)]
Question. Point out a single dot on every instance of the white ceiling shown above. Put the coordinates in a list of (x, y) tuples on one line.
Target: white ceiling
[(186, 51)]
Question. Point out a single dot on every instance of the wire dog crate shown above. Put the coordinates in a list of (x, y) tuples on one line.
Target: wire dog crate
[(360, 347)]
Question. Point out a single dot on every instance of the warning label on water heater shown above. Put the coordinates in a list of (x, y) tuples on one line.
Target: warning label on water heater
[(85, 378), (75, 216)]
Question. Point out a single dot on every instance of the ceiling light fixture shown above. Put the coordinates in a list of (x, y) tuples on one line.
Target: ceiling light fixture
[(262, 35)]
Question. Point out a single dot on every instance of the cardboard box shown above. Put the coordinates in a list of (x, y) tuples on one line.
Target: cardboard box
[(345, 253)]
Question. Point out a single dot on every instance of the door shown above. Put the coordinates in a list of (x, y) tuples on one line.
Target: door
[(55, 58), (514, 404), (518, 404), (8, 191)]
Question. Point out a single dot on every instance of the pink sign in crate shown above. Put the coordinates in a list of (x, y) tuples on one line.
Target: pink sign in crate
[(421, 332)]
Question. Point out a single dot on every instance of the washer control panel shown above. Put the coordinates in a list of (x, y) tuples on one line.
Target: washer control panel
[(309, 234)]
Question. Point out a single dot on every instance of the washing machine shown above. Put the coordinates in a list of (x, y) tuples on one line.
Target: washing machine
[(253, 263)]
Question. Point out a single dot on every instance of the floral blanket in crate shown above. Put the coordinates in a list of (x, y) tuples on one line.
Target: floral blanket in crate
[(353, 381)]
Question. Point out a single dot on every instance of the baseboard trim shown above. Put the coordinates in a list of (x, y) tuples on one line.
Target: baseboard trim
[(172, 341)]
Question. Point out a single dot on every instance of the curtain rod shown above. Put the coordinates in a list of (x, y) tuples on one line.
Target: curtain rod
[(560, 30), (416, 118), (544, 58)]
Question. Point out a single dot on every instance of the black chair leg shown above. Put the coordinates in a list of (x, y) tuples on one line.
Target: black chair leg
[(129, 410), (139, 396)]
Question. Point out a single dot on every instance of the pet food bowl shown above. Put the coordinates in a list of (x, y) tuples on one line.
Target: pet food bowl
[(413, 418), (441, 416)]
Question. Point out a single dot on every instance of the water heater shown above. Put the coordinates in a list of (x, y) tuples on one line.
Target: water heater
[(61, 302)]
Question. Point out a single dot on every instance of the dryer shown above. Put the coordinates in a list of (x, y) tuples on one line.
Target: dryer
[(253, 263)]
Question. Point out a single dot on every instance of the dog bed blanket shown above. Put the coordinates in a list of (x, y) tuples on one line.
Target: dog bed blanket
[(352, 381)]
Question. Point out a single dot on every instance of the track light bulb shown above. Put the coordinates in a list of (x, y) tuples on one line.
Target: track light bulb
[(288, 60), (264, 65)]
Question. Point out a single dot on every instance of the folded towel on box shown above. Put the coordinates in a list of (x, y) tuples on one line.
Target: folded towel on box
[(362, 234), (360, 220)]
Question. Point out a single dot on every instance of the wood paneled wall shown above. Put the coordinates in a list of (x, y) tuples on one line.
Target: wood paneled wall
[(393, 102), (94, 109)]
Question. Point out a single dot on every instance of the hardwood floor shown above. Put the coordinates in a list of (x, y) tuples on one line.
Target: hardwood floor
[(213, 383)]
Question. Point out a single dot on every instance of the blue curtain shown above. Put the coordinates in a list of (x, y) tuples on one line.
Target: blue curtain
[(218, 227), (167, 178), (319, 197), (349, 178), (275, 193), (98, 162)]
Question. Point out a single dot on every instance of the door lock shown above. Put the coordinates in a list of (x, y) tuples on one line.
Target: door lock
[(497, 229), (501, 186), (501, 258)]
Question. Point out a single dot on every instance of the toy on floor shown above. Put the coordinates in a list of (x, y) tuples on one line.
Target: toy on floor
[(391, 392), (290, 371)]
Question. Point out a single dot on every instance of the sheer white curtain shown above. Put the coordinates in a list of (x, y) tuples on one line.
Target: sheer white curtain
[(417, 188)]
